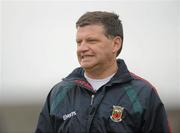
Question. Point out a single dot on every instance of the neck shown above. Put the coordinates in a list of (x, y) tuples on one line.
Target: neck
[(102, 72)]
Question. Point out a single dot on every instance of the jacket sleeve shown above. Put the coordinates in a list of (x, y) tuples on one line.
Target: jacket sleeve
[(155, 118), (45, 123)]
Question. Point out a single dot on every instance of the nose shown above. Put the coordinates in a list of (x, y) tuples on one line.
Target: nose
[(82, 47)]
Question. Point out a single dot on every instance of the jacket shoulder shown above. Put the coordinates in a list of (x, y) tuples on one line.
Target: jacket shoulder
[(58, 92), (142, 83)]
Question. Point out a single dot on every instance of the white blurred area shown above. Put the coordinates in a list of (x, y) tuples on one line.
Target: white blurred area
[(38, 45)]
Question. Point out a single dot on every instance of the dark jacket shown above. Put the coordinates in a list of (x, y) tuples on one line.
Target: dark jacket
[(126, 104)]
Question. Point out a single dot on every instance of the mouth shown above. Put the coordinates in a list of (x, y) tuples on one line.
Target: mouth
[(86, 56)]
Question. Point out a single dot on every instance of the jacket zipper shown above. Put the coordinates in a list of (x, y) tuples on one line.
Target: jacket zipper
[(92, 99)]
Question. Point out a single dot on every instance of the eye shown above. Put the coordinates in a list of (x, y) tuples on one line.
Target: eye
[(92, 41)]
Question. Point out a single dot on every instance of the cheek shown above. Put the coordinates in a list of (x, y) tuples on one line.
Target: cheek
[(77, 51), (107, 50), (78, 55)]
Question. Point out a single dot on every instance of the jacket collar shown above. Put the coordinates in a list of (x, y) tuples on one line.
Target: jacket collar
[(121, 76)]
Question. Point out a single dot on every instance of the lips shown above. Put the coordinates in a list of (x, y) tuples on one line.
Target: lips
[(86, 56)]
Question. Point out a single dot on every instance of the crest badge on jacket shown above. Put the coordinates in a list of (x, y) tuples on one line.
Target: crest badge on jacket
[(117, 113)]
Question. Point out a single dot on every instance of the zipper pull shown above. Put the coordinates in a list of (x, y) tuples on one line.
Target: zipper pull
[(92, 99)]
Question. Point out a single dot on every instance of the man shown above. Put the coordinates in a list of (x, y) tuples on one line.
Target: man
[(102, 95)]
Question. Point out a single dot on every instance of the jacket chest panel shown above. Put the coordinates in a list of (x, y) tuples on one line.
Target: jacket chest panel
[(92, 114)]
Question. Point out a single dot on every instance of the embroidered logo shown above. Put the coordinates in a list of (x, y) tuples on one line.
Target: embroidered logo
[(117, 113), (66, 116)]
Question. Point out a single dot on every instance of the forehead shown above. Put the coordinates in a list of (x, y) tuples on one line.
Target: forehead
[(90, 29)]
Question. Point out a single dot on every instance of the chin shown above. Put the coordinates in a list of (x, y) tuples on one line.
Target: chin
[(88, 64), (85, 66)]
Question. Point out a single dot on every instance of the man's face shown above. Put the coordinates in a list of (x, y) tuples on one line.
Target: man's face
[(94, 50)]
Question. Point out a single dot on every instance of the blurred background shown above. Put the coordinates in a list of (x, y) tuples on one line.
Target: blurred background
[(38, 49)]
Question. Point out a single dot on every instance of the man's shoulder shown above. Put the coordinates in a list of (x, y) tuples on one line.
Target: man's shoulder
[(58, 93), (143, 90), (67, 82), (142, 84), (61, 87)]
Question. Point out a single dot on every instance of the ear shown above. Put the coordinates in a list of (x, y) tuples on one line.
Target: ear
[(117, 41)]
